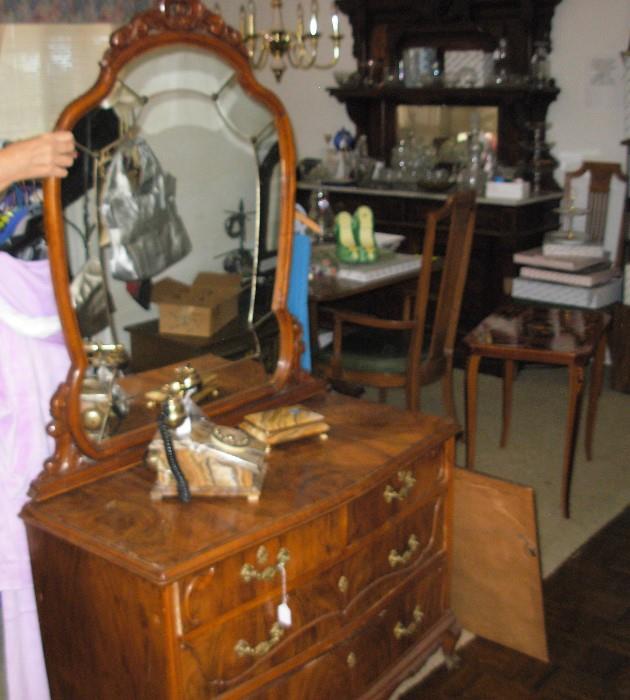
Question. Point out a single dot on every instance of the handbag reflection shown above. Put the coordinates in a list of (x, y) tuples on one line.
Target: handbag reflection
[(139, 211), (89, 298)]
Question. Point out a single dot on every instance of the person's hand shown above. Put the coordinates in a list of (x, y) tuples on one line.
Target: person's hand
[(46, 155)]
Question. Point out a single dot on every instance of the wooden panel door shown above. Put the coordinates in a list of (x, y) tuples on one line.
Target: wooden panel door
[(496, 585)]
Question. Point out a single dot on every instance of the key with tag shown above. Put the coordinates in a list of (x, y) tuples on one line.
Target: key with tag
[(284, 611)]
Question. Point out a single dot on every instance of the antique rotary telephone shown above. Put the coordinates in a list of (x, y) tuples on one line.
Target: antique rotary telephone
[(194, 456)]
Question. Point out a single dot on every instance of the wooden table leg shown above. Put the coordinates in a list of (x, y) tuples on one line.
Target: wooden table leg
[(313, 322), (472, 373), (508, 381), (597, 380), (576, 385)]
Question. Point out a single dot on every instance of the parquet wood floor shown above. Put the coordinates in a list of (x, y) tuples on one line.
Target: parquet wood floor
[(587, 610)]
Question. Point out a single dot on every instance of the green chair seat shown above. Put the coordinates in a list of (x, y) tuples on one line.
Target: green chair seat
[(369, 352)]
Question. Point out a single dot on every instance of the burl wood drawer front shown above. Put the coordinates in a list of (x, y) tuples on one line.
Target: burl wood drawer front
[(253, 643), (343, 673), (413, 481), (254, 572), (384, 559), (348, 670)]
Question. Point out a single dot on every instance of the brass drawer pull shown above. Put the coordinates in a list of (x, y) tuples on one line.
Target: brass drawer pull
[(351, 660), (407, 480), (396, 559), (242, 648), (401, 631), (250, 573), (343, 584)]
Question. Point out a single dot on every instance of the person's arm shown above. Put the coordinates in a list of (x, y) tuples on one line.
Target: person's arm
[(46, 155)]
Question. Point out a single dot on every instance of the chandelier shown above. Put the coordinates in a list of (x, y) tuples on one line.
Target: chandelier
[(281, 47)]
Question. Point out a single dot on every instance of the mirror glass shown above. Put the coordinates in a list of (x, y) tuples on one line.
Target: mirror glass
[(194, 162), (445, 128)]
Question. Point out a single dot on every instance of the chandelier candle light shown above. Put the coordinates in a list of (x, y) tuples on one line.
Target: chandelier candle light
[(299, 47)]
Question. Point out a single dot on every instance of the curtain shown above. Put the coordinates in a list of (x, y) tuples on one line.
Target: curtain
[(111, 11)]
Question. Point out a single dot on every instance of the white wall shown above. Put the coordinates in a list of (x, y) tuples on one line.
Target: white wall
[(587, 118), (43, 67)]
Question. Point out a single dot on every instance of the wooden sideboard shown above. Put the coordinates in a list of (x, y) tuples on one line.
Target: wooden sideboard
[(502, 228), (157, 599)]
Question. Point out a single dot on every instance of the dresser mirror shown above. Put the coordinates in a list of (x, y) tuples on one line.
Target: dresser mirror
[(179, 83)]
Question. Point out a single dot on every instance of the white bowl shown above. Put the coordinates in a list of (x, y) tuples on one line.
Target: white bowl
[(388, 241)]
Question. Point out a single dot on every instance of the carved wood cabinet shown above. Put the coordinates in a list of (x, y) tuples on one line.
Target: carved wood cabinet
[(145, 599), (383, 29)]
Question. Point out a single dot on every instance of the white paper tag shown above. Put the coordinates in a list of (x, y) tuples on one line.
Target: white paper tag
[(284, 615)]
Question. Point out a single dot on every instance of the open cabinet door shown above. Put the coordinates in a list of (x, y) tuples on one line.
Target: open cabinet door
[(496, 584)]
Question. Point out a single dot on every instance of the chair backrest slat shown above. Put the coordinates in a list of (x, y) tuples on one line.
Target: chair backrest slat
[(459, 212), (599, 200)]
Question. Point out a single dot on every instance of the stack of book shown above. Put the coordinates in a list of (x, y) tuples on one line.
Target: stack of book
[(580, 274)]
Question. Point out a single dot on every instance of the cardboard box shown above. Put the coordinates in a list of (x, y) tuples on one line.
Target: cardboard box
[(200, 309)]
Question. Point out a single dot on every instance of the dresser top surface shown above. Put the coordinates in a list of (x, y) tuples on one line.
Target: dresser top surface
[(117, 519), (423, 194)]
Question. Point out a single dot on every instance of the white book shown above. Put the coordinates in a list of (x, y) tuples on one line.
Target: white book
[(389, 266), (586, 278), (534, 257), (574, 248), (567, 295)]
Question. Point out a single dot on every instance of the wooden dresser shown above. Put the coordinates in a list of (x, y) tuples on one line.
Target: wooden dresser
[(159, 599)]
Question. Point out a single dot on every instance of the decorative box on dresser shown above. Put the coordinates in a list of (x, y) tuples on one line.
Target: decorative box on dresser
[(157, 599)]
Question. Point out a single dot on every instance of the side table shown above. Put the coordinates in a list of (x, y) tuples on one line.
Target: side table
[(557, 336)]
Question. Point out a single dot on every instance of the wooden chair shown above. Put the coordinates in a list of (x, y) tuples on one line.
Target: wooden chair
[(387, 353), (603, 202), (595, 195)]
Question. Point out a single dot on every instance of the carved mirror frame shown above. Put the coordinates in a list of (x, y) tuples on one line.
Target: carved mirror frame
[(77, 459)]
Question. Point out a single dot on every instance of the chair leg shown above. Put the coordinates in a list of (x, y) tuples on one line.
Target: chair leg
[(508, 382), (448, 396), (382, 395), (472, 372), (576, 385), (597, 381)]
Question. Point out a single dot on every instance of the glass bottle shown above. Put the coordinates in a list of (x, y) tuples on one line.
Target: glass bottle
[(321, 211), (500, 59), (473, 175), (539, 65)]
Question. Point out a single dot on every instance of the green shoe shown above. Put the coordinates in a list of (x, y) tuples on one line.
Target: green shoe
[(364, 234), (347, 250)]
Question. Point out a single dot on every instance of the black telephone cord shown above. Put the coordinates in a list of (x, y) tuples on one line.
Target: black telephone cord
[(183, 490)]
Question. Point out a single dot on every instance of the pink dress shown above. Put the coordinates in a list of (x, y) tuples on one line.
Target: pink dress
[(34, 361)]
